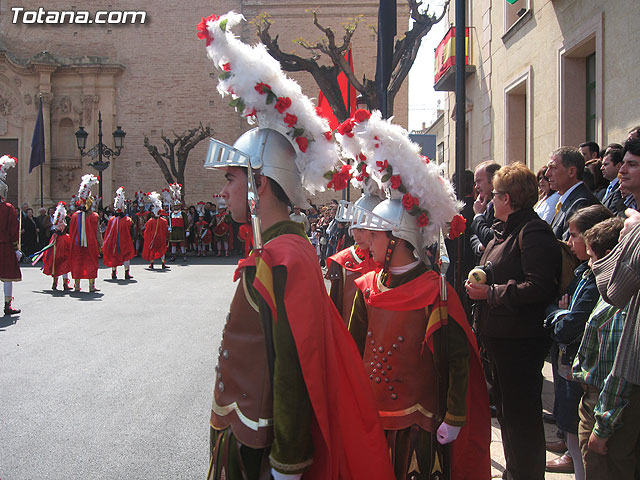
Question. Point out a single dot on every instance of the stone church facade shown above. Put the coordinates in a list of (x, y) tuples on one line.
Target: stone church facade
[(150, 78)]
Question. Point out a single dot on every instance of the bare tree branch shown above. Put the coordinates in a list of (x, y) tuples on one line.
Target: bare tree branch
[(173, 161), (326, 77)]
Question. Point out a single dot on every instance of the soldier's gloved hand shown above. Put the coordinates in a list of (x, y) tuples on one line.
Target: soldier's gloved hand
[(169, 229), (18, 254), (447, 433), (188, 232), (284, 476)]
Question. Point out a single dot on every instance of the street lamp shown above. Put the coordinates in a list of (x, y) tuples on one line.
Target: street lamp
[(100, 149)]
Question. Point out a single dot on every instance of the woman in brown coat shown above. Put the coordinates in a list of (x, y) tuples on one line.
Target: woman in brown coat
[(522, 280)]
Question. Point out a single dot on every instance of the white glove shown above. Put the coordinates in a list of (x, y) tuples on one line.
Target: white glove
[(18, 254), (284, 476), (447, 433), (169, 229), (188, 232)]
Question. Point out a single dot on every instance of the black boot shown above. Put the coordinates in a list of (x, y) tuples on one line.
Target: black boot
[(114, 275), (8, 310), (127, 275)]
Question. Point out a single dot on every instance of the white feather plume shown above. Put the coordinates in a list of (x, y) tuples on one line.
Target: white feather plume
[(156, 203), (175, 189), (6, 162), (88, 181), (118, 201), (247, 66), (381, 140), (166, 196), (59, 216)]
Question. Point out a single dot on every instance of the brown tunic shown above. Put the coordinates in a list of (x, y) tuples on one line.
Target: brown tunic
[(243, 397)]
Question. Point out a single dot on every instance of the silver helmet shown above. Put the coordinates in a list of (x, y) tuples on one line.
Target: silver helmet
[(391, 216), (268, 152), (347, 210)]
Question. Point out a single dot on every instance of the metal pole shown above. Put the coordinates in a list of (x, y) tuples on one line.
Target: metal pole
[(100, 155), (461, 113)]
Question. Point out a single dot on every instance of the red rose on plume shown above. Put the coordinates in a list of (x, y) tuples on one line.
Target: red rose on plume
[(302, 143), (408, 201), (361, 115), (395, 181), (345, 128), (226, 67), (425, 159), (382, 166), (361, 157), (340, 179), (457, 226), (252, 113), (203, 31), (290, 120), (328, 135), (282, 104), (423, 220), (262, 88)]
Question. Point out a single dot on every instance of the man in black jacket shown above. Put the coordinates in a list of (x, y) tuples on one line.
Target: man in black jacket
[(481, 227), (565, 170), (611, 163)]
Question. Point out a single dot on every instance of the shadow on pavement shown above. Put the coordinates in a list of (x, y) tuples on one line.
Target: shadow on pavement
[(120, 281), (8, 321)]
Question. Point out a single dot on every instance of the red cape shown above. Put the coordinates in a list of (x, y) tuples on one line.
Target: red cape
[(348, 440), (118, 246), (346, 259), (9, 234), (57, 258), (84, 260), (156, 236), (470, 455)]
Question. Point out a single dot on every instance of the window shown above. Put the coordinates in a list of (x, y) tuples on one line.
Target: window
[(513, 13), (517, 121), (580, 90)]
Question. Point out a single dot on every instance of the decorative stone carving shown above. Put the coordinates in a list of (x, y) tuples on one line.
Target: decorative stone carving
[(4, 126), (65, 105), (10, 105), (88, 102), (5, 105), (27, 99), (65, 179), (64, 174), (17, 81)]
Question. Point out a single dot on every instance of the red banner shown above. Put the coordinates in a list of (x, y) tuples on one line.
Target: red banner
[(446, 53)]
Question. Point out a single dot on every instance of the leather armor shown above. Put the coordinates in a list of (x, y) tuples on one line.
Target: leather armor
[(243, 395), (401, 369)]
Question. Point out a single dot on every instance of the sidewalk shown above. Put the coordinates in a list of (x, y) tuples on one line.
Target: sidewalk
[(497, 454)]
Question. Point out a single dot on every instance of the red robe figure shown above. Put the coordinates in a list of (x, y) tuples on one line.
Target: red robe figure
[(118, 245), (156, 233), (85, 237), (57, 257), (223, 232), (9, 236), (417, 347), (204, 236), (344, 267)]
